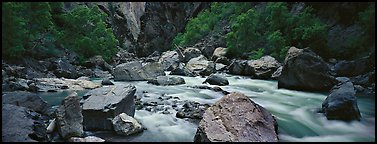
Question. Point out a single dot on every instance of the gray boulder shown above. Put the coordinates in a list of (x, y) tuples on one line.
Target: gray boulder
[(167, 80), (305, 70), (183, 71), (341, 104), (98, 62), (237, 67), (69, 117), (201, 65), (355, 67), (62, 68), (107, 81), (17, 125), (190, 53), (262, 68), (26, 99), (214, 79), (56, 84), (219, 52), (125, 125), (170, 60), (235, 118), (101, 105), (135, 71)]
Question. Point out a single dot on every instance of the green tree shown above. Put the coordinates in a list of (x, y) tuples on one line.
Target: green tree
[(84, 31)]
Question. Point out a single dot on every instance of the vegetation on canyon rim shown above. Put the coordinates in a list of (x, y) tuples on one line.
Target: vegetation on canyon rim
[(41, 29)]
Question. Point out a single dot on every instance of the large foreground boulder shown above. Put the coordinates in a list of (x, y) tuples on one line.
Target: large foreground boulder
[(341, 104), (69, 117), (101, 105), (305, 70), (26, 99), (235, 118), (136, 71), (214, 79), (17, 124), (125, 125)]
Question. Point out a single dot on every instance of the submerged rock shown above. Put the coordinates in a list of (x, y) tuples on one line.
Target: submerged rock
[(235, 118), (26, 99), (214, 79), (69, 117), (305, 70), (103, 104), (192, 110), (126, 125), (167, 80), (341, 104), (86, 139)]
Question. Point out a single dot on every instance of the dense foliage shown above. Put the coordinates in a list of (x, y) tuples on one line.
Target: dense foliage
[(41, 28), (270, 29)]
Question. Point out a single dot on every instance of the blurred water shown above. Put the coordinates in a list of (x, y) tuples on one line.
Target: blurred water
[(295, 111)]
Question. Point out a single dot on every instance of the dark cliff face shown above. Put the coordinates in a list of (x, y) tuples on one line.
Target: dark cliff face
[(161, 22), (145, 27)]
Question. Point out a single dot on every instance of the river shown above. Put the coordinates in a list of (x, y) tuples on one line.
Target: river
[(295, 111)]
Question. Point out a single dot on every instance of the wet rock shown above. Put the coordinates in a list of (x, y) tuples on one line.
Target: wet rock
[(216, 89), (262, 68), (235, 118), (192, 110), (170, 60), (305, 70), (214, 79), (86, 139), (107, 81), (190, 53), (167, 80), (126, 125), (17, 124), (341, 104), (69, 117), (237, 67), (104, 103), (26, 99), (182, 70)]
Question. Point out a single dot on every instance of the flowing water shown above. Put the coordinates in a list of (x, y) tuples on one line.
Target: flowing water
[(295, 111)]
